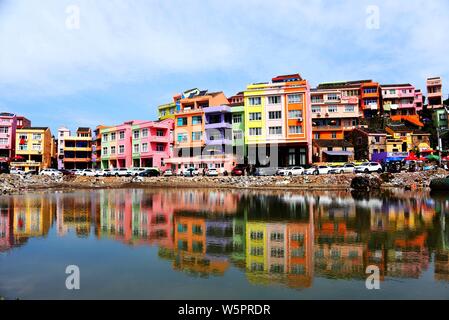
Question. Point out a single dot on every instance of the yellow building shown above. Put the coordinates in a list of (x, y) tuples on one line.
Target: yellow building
[(256, 252), (34, 148), (399, 138), (32, 217), (167, 111)]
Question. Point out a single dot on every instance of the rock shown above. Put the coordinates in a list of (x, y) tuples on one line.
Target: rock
[(366, 183)]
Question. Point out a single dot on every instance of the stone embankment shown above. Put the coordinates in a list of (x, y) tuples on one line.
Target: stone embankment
[(407, 180)]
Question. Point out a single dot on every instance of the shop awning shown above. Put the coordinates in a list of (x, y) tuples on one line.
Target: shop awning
[(338, 153)]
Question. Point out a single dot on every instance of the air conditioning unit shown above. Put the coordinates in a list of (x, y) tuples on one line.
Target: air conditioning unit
[(300, 119)]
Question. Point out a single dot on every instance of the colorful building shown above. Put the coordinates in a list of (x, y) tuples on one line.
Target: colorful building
[(23, 122), (8, 127), (33, 148), (402, 102), (192, 146), (368, 142), (435, 92), (238, 127), (137, 144), (74, 151), (278, 123), (63, 132), (167, 111), (367, 91), (337, 151)]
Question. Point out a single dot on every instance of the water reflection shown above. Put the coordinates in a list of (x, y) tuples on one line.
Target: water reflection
[(273, 238)]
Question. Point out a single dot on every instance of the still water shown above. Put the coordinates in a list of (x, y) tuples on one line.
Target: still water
[(208, 244)]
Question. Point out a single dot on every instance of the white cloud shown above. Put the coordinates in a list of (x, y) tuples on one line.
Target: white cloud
[(125, 41)]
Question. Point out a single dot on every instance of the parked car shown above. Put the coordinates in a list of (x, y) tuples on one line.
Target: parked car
[(292, 171), (266, 171), (107, 172), (67, 172), (369, 167), (212, 172), (152, 172), (136, 171), (17, 171), (190, 172), (78, 172), (120, 172), (88, 173), (168, 173), (316, 170), (50, 172), (238, 170), (347, 168)]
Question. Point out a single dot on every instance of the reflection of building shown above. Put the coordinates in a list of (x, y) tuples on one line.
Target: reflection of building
[(191, 244), (32, 216), (442, 265), (279, 252), (73, 212), (6, 232)]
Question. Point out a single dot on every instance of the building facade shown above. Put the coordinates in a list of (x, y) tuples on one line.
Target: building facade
[(77, 149), (435, 92), (8, 127), (278, 123), (33, 149), (137, 144), (402, 102)]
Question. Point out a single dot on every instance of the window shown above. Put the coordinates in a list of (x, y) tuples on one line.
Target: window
[(121, 135), (136, 148), (196, 136), (254, 101), (349, 108), (105, 150), (294, 129), (255, 131), (182, 121), (294, 114), (236, 118), (3, 141), (105, 137), (136, 134), (257, 251), (144, 133), (238, 134), (332, 96), (197, 120), (113, 136), (317, 99), (112, 150), (37, 136), (316, 109), (274, 115), (256, 235), (374, 90), (277, 236), (316, 136), (334, 135), (274, 99), (145, 147), (197, 229), (277, 252), (298, 253), (275, 130), (36, 147), (160, 147), (160, 133), (255, 116), (294, 98), (4, 130), (121, 149), (332, 109), (182, 137)]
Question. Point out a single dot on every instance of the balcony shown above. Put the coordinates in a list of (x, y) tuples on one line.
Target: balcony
[(217, 109), (162, 139), (89, 159), (218, 125), (218, 142), (327, 128)]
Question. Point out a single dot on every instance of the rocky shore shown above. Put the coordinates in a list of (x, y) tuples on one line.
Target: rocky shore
[(407, 180)]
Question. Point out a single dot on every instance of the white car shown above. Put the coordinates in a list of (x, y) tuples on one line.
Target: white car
[(120, 172), (347, 168), (168, 173), (50, 172), (190, 172), (78, 172), (369, 167), (293, 171), (136, 171), (17, 171), (316, 170), (212, 172), (88, 173)]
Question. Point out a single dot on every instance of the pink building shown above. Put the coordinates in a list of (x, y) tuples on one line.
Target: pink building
[(8, 127), (137, 144), (402, 102)]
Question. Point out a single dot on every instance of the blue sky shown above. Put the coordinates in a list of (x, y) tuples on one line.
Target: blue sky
[(127, 57)]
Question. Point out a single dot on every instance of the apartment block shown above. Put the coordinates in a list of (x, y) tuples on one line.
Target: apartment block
[(33, 149), (193, 147), (137, 144), (238, 126), (334, 112), (277, 119), (435, 92), (402, 102), (75, 151), (8, 127)]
